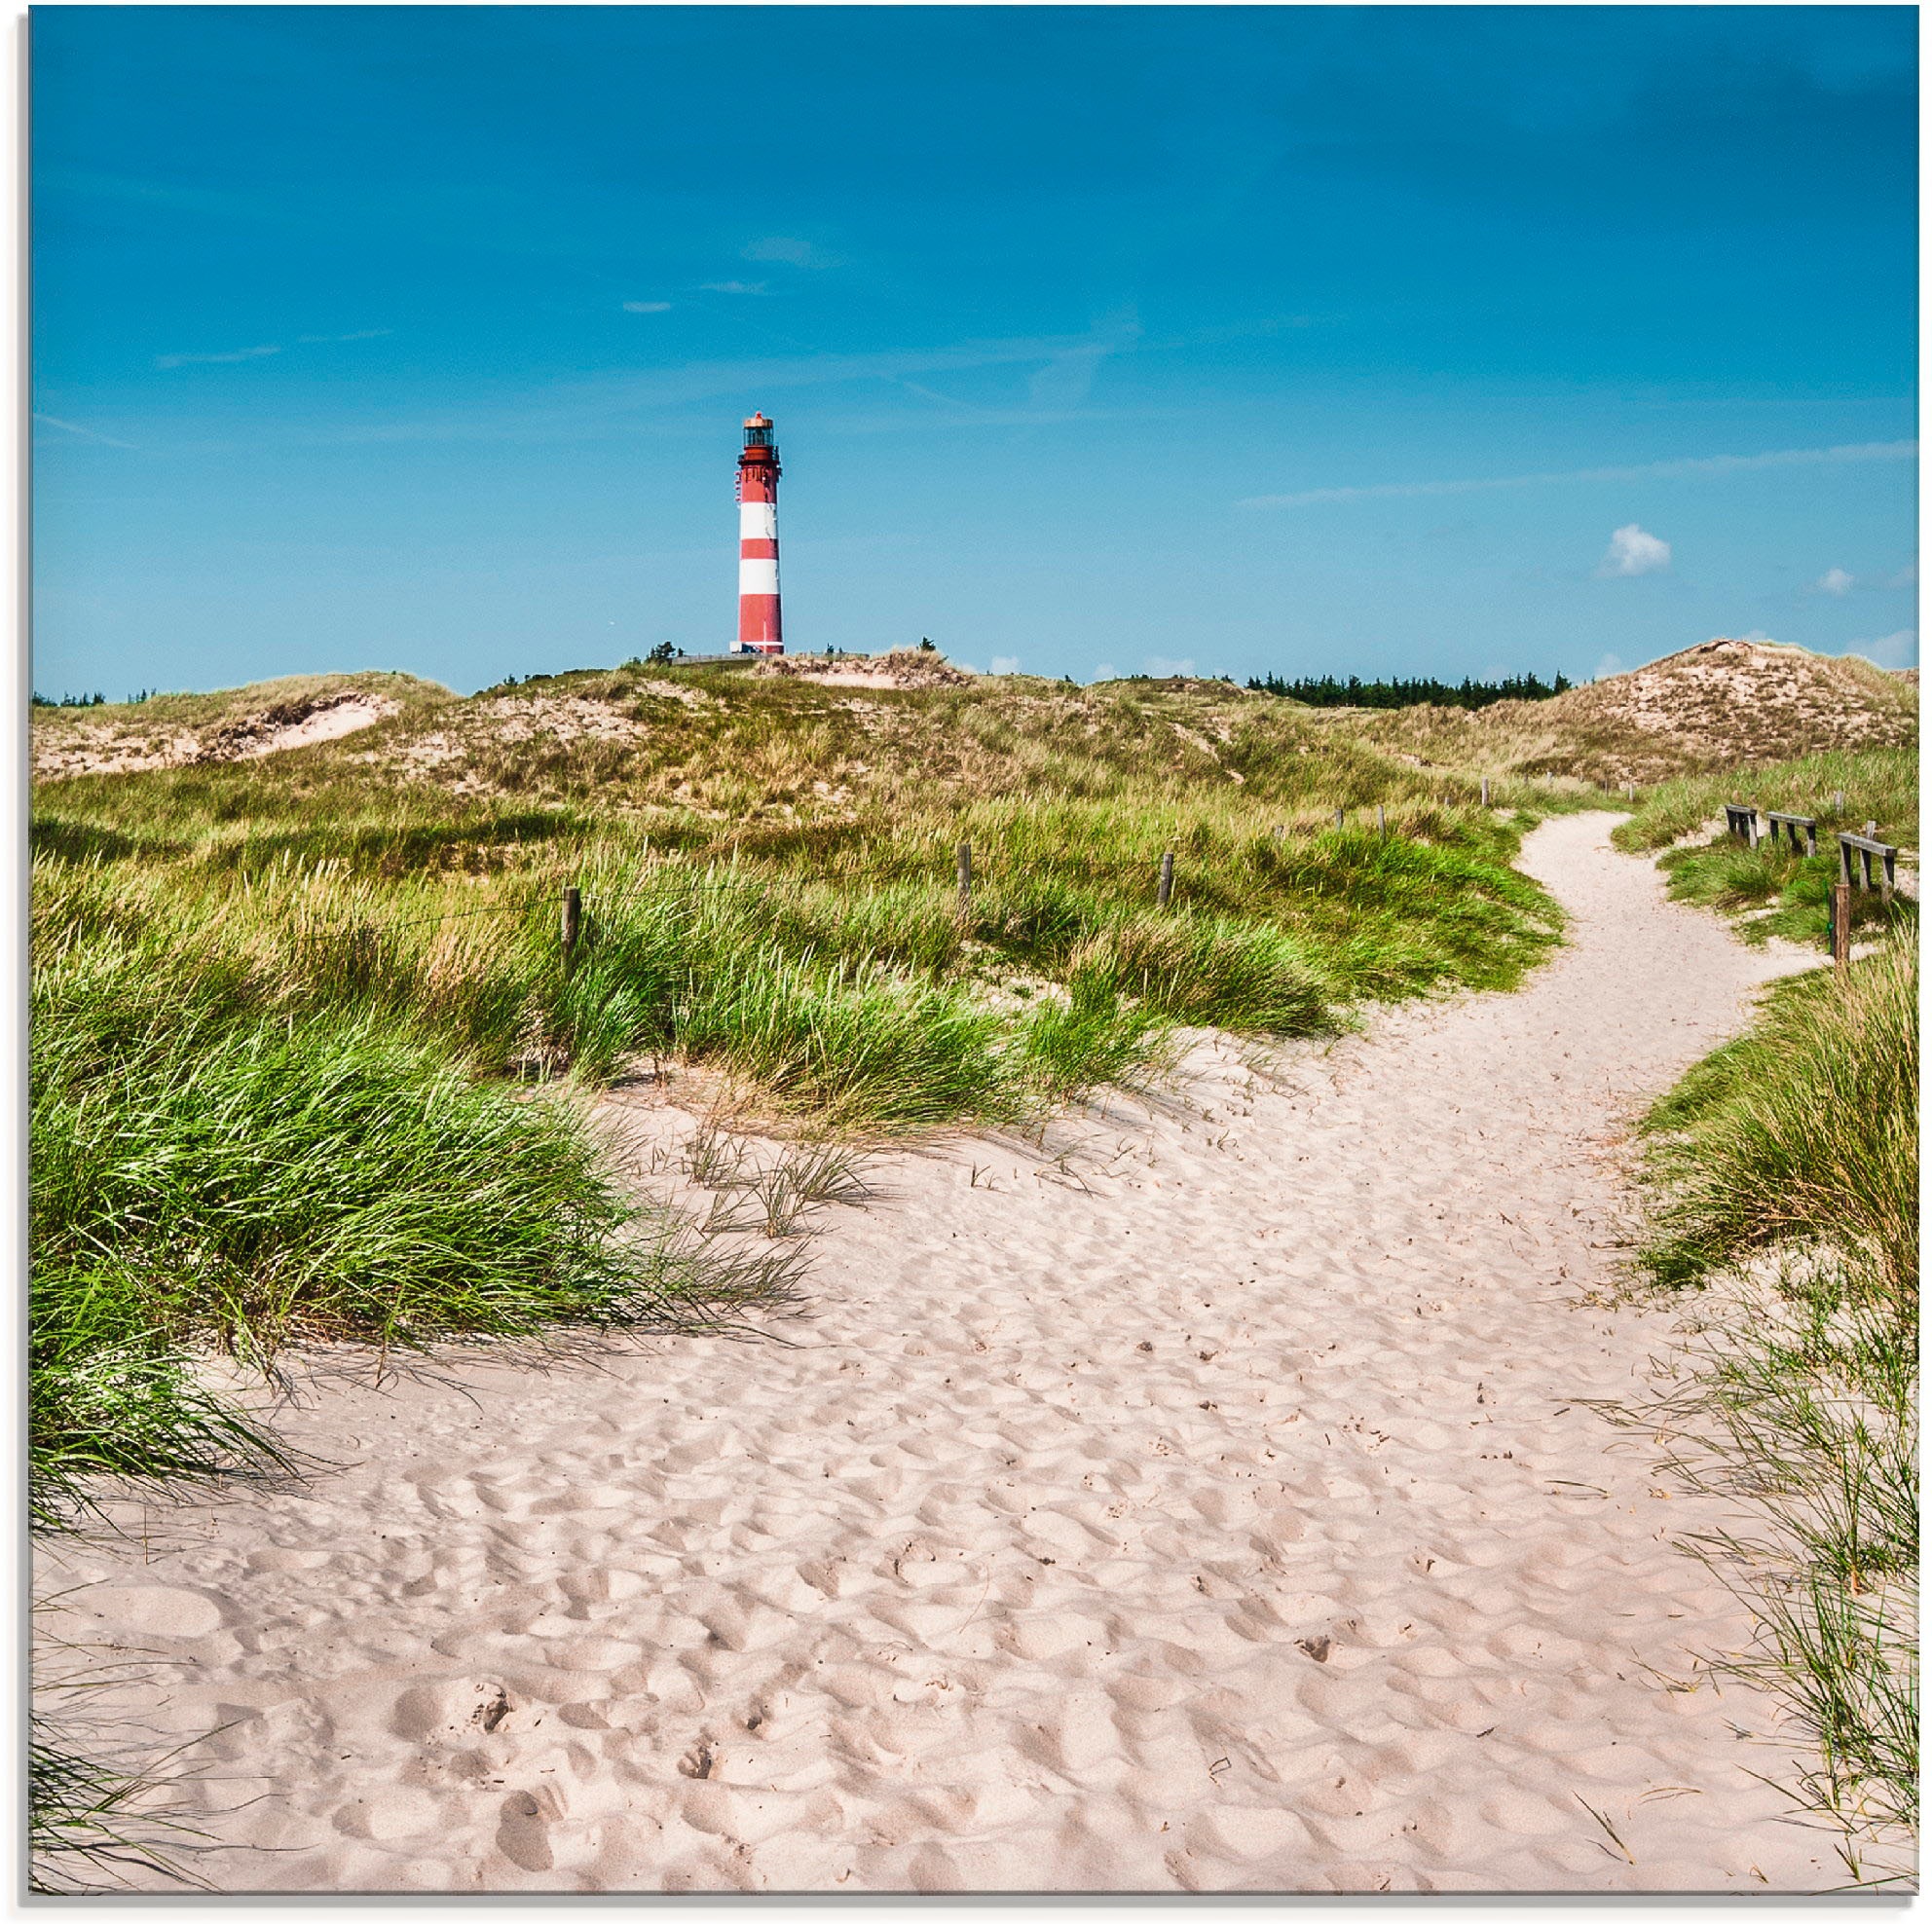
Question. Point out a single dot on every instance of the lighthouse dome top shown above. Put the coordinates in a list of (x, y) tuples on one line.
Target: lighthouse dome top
[(757, 421)]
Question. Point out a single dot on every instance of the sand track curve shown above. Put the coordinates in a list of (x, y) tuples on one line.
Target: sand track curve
[(1226, 1518)]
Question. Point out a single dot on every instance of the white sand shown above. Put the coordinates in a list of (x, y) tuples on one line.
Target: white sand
[(1230, 1522), (347, 715), (126, 747)]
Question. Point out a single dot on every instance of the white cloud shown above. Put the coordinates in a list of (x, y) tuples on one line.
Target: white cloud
[(1104, 671), (1833, 581), (1631, 552), (360, 334), (1159, 664), (792, 251), (1760, 634), (1694, 467), (1898, 649), (1006, 664), (731, 287), (647, 307), (1905, 578), (238, 354), (1611, 664)]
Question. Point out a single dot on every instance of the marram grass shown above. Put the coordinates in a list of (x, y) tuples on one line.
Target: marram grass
[(277, 1091), (307, 1061), (1773, 890), (209, 1169), (1801, 1132), (1784, 1170)]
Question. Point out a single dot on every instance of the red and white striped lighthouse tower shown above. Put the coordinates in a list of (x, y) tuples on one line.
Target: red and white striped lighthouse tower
[(760, 631)]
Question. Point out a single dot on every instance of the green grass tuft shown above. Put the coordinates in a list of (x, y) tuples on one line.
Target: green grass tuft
[(1803, 1129), (1784, 1170)]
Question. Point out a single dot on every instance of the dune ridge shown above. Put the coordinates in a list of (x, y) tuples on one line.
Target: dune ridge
[(1208, 1503)]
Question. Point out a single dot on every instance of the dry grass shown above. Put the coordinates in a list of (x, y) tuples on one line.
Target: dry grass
[(801, 738), (182, 730), (1785, 1173), (901, 668), (1716, 705)]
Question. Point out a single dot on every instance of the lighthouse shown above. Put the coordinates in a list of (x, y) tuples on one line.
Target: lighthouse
[(759, 629)]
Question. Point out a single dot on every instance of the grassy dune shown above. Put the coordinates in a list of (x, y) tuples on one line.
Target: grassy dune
[(1784, 1179), (1774, 890), (308, 1061), (1785, 1173), (1720, 706)]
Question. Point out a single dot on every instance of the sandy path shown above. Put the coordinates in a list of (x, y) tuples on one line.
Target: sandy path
[(1227, 1523)]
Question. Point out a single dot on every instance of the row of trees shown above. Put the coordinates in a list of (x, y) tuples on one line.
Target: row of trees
[(1327, 692)]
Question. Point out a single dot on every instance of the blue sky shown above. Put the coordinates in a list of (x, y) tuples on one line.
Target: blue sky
[(1431, 341)]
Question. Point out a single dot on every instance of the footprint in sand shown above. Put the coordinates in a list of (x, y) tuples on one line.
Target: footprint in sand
[(523, 1833)]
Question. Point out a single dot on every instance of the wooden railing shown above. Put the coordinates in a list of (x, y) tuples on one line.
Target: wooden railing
[(1741, 819), (1868, 845), (1791, 825)]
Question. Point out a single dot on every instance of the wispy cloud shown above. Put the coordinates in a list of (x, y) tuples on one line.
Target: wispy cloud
[(1898, 649), (957, 415), (1905, 578), (1833, 581), (86, 434), (1164, 665), (211, 361), (1005, 664), (792, 251), (733, 287), (647, 307), (1632, 551), (1067, 379), (1694, 467), (262, 352), (360, 334), (604, 405)]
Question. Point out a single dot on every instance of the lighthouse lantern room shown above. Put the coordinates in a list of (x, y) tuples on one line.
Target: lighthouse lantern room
[(760, 631)]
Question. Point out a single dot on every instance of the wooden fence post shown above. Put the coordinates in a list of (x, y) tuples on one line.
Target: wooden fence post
[(1485, 791), (573, 925), (1164, 894), (1629, 790), (1381, 819), (1841, 926), (1338, 819), (963, 863), (1838, 801)]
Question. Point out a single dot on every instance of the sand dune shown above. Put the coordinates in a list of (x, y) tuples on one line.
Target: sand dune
[(1213, 1507), (125, 746)]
